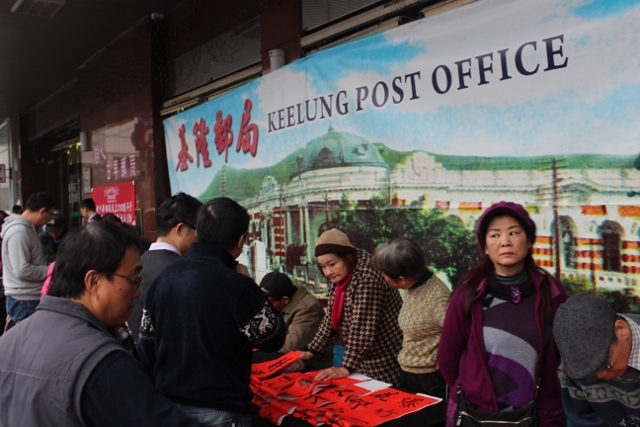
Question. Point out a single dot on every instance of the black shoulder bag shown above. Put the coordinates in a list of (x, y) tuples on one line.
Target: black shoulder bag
[(468, 415)]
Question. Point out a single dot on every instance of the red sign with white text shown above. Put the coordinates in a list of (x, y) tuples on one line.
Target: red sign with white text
[(118, 199)]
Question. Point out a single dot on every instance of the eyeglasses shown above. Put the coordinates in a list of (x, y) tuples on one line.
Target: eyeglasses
[(189, 225), (135, 280)]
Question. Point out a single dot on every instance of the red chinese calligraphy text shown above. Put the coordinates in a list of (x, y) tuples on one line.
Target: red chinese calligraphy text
[(200, 130), (183, 155), (223, 134), (248, 135)]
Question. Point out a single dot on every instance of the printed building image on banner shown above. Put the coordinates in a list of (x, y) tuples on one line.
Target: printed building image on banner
[(416, 131), (118, 199)]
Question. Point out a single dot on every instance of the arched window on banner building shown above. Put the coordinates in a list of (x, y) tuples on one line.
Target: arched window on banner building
[(611, 238)]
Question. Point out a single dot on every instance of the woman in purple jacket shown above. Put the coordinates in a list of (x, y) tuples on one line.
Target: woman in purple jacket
[(493, 334)]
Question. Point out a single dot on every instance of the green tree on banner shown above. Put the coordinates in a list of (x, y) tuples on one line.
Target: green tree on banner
[(448, 245)]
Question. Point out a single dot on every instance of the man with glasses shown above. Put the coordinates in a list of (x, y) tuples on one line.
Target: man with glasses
[(600, 362), (24, 267), (175, 224), (62, 365)]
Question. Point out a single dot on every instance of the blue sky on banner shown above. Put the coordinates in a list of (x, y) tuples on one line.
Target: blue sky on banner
[(589, 106)]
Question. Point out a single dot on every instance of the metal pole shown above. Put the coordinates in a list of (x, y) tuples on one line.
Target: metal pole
[(556, 219)]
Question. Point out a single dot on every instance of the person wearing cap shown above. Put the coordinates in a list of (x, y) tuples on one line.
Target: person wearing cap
[(302, 312), (600, 362), (402, 264), (50, 238), (363, 311), (494, 330)]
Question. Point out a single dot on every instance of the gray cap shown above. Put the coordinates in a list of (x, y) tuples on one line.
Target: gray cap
[(583, 329)]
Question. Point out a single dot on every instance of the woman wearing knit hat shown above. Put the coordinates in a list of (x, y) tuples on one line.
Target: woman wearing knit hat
[(363, 311), (499, 321)]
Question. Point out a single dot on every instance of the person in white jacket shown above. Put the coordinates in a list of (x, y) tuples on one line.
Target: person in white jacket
[(24, 267)]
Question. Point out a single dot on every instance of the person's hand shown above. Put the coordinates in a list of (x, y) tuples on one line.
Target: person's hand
[(296, 366), (242, 269), (332, 374), (305, 355)]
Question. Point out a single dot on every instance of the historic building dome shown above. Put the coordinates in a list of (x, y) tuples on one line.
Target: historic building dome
[(337, 149)]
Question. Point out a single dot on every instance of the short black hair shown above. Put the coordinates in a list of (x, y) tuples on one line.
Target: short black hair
[(88, 204), (97, 246), (40, 200), (176, 209), (221, 221), (16, 209), (112, 218)]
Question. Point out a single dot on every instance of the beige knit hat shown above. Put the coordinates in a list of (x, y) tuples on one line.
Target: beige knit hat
[(334, 241)]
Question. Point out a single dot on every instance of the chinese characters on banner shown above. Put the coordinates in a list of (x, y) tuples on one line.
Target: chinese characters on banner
[(118, 199), (339, 402), (223, 137)]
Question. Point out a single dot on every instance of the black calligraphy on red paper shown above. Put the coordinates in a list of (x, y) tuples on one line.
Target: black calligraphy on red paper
[(384, 413), (335, 403)]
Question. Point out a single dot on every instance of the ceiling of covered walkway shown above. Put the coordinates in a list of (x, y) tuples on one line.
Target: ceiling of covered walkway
[(39, 54)]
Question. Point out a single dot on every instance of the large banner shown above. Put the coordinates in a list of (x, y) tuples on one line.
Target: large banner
[(417, 130)]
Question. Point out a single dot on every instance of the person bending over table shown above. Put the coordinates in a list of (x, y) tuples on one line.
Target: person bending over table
[(402, 264), (363, 310)]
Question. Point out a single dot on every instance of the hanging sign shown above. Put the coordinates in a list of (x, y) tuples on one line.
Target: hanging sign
[(118, 199)]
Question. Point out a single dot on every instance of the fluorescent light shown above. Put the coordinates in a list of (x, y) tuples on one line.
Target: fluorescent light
[(46, 8)]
